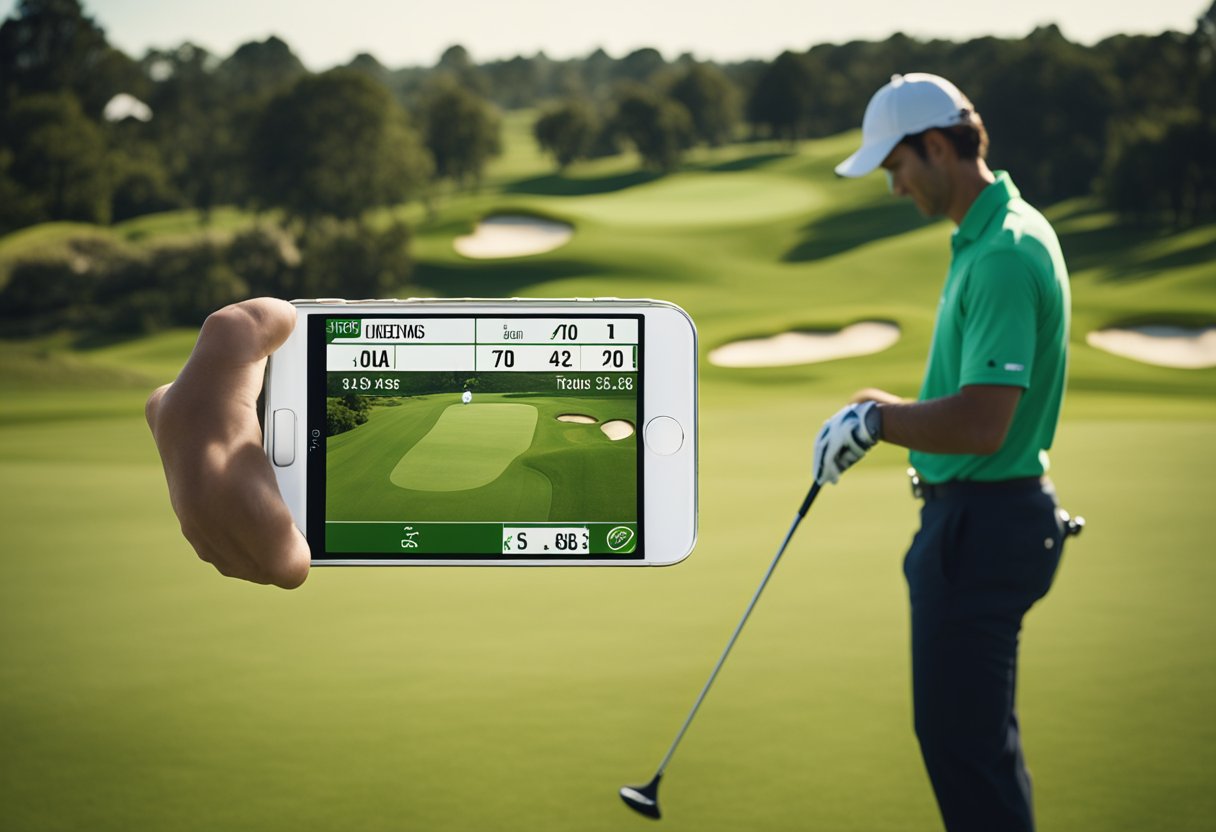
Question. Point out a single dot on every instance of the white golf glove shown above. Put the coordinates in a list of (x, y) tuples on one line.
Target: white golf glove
[(845, 438)]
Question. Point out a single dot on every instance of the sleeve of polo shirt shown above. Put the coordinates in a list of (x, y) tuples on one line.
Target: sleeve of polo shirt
[(1000, 321)]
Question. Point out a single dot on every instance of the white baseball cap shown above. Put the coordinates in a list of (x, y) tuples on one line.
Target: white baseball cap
[(909, 104)]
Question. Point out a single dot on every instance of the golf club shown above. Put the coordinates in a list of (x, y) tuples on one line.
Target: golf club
[(645, 799)]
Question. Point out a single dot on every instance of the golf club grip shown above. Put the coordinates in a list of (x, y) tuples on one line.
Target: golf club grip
[(810, 498)]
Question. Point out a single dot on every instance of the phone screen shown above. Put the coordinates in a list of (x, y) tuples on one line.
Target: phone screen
[(475, 436)]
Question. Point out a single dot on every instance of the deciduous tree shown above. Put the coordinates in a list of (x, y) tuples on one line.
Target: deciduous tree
[(58, 158), (462, 131), (659, 128), (780, 103), (52, 46), (336, 144), (712, 101), (567, 131)]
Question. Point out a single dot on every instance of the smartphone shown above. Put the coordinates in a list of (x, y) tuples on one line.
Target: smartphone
[(487, 432)]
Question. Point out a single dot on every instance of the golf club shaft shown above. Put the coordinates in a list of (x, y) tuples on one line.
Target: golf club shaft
[(806, 504)]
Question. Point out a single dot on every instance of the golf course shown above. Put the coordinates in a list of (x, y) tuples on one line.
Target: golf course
[(501, 457), (140, 690)]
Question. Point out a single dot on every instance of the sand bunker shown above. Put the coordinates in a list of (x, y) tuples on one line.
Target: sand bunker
[(617, 429), (1165, 346), (513, 236), (790, 348), (577, 418)]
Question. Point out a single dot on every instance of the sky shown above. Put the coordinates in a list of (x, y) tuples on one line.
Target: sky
[(411, 33)]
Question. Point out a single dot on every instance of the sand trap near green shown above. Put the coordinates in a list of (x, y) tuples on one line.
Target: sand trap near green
[(508, 235), (470, 446), (790, 348), (617, 429), (1166, 346)]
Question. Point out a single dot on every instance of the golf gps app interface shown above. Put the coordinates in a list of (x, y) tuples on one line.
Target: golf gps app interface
[(443, 436)]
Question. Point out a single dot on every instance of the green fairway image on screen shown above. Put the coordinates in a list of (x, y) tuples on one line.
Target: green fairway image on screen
[(449, 437)]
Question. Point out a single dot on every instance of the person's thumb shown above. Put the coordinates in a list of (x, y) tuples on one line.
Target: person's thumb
[(229, 356)]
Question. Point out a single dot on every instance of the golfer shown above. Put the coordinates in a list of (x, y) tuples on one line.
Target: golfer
[(990, 536)]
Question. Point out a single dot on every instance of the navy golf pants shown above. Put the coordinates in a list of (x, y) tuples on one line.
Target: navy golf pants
[(984, 554)]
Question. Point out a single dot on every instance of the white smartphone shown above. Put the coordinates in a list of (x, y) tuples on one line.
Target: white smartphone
[(488, 432)]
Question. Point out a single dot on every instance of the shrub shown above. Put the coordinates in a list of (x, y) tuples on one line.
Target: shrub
[(343, 258)]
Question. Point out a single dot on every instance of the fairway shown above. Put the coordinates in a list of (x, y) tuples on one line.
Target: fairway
[(727, 199), (140, 690), (504, 457), (470, 446)]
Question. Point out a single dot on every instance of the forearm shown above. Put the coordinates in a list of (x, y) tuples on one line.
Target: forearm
[(974, 421)]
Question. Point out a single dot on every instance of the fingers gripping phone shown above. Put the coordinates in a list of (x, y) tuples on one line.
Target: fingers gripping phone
[(488, 432)]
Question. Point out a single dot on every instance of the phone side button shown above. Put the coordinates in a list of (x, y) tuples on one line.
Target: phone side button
[(283, 440), (664, 435)]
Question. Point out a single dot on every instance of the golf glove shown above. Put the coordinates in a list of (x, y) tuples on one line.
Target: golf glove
[(845, 438)]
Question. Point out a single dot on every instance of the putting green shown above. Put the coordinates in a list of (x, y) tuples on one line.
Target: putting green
[(470, 446)]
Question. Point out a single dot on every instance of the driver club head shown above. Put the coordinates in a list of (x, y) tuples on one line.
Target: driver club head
[(643, 799)]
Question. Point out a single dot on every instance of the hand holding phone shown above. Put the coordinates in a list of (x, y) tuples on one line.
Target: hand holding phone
[(206, 428)]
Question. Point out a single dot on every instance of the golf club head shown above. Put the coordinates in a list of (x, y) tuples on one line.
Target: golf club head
[(643, 799)]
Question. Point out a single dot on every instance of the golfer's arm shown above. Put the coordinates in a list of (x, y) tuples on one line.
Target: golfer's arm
[(975, 420)]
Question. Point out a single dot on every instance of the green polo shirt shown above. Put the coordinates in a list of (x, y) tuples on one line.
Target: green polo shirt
[(1003, 319)]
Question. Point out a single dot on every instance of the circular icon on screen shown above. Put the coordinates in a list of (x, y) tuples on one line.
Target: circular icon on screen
[(621, 539)]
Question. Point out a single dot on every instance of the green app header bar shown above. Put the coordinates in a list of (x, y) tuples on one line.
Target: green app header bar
[(342, 328)]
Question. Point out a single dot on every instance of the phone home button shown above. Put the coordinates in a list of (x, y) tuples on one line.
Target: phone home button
[(664, 435), (283, 438)]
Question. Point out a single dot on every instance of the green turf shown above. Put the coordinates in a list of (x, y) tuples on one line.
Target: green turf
[(503, 457), (696, 199), (470, 446), (140, 690)]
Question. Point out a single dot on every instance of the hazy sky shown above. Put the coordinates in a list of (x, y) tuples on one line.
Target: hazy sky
[(409, 32)]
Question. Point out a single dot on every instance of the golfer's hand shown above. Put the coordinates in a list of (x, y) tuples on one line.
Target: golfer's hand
[(206, 428), (844, 440)]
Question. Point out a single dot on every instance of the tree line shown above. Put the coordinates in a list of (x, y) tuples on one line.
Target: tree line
[(90, 134), (1125, 117), (1131, 118)]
